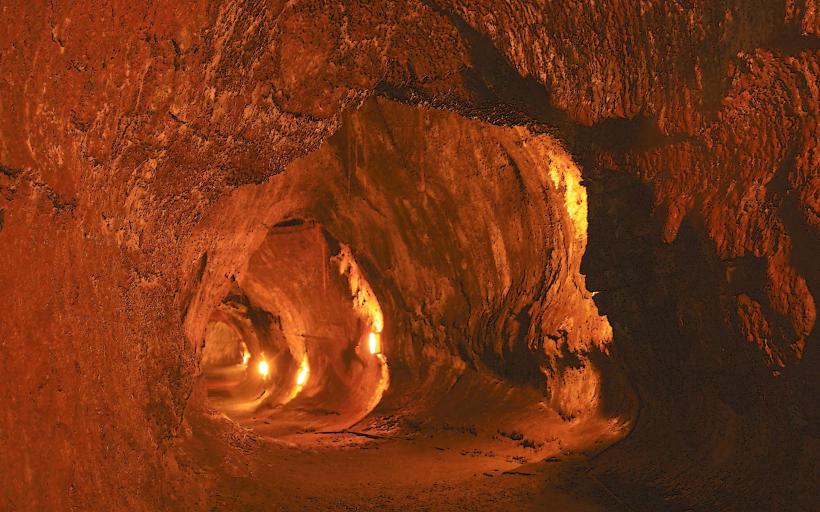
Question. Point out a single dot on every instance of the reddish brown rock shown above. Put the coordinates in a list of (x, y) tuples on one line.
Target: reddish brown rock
[(147, 148)]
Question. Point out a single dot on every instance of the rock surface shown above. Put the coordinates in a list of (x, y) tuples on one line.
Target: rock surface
[(145, 149)]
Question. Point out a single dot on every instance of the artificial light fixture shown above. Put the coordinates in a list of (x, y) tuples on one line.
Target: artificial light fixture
[(263, 368), (373, 343)]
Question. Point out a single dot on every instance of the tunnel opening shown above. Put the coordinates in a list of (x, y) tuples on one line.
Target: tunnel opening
[(296, 344), (471, 236), (142, 177)]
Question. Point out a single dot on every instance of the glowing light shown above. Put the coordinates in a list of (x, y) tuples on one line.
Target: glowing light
[(302, 376), (367, 308), (246, 357), (376, 317), (564, 173), (263, 368), (373, 343), (304, 373)]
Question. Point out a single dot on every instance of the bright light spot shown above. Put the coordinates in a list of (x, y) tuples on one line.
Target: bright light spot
[(301, 378), (263, 368), (304, 372), (376, 318), (246, 357), (564, 173), (373, 343), (367, 308)]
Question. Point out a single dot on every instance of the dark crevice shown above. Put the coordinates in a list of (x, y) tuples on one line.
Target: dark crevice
[(203, 263), (289, 223), (11, 172)]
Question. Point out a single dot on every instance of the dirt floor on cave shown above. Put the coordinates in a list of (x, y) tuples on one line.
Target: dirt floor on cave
[(446, 468)]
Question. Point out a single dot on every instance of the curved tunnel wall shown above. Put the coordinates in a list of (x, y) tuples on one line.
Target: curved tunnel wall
[(711, 116), (309, 363), (472, 237)]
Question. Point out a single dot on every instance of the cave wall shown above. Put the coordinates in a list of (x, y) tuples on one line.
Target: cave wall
[(123, 124), (464, 228), (473, 242)]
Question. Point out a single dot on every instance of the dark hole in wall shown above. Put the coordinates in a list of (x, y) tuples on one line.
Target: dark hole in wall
[(289, 223)]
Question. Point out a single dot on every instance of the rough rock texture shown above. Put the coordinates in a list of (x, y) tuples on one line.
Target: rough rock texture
[(125, 125), (471, 234)]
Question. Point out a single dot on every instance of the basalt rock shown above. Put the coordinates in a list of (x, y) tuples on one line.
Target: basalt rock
[(594, 224)]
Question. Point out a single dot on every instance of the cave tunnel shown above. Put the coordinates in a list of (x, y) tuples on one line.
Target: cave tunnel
[(409, 255), (296, 345)]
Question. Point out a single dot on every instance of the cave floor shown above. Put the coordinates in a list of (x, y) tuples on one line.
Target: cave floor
[(431, 469)]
